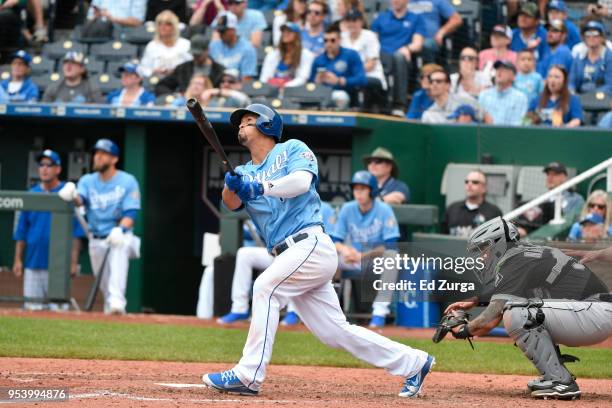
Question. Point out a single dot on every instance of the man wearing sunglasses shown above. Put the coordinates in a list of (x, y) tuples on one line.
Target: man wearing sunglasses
[(462, 217), (32, 236), (312, 34), (529, 34), (557, 52), (251, 23), (594, 70)]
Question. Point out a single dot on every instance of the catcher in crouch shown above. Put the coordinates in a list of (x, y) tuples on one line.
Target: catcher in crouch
[(544, 297)]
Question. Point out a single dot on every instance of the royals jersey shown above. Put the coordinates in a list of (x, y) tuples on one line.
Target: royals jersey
[(279, 218), (108, 201), (372, 228)]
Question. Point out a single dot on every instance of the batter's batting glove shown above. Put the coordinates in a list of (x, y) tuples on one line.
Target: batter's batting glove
[(116, 237), (68, 192), (233, 182), (250, 190)]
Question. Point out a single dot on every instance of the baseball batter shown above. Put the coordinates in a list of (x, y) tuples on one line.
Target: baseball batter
[(112, 200), (277, 189)]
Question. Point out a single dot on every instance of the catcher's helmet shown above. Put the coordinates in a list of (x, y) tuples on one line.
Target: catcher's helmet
[(367, 179), (269, 122), (108, 146)]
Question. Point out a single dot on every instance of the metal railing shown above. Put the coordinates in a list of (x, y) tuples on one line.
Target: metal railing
[(557, 192)]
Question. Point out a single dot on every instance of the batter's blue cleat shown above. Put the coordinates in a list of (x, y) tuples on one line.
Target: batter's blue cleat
[(412, 386), (291, 319), (232, 318), (227, 382), (377, 322)]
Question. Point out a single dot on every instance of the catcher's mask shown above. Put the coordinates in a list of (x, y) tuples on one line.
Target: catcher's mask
[(490, 242)]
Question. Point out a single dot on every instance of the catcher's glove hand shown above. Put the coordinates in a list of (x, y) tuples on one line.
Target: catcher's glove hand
[(448, 321)]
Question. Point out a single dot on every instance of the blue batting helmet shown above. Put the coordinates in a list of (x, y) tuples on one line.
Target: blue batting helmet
[(108, 146), (367, 179), (269, 122)]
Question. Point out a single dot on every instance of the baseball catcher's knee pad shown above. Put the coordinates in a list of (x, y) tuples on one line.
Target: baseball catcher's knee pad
[(524, 326)]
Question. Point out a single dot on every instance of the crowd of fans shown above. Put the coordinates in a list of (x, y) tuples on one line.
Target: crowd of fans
[(529, 74)]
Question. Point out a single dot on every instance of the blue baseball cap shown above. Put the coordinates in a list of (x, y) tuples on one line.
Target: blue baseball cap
[(594, 25), (51, 155), (557, 5), (463, 110), (291, 26), (593, 219), (108, 146), (130, 67), (22, 55)]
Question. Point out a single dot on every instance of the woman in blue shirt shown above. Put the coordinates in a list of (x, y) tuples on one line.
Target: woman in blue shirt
[(132, 93), (595, 218), (556, 106)]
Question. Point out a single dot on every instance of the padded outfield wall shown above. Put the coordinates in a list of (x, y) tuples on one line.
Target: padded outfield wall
[(169, 158)]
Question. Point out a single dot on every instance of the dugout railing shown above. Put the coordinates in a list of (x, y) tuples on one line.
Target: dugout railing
[(60, 242)]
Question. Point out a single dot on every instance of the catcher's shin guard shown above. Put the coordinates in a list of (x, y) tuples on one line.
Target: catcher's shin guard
[(524, 326)]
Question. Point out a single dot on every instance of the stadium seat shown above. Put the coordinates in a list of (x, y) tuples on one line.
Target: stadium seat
[(269, 16), (140, 35), (112, 68), (42, 66), (267, 38), (106, 82), (150, 82), (469, 34), (113, 51), (370, 6), (259, 89), (164, 100), (77, 35), (261, 54), (57, 50), (95, 67), (282, 103), (43, 81), (595, 103), (5, 72), (309, 96)]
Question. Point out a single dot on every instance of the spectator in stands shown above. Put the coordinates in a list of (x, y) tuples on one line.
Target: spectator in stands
[(464, 114), (75, 87), (178, 80), (445, 103), (383, 166), (469, 81), (313, 32), (529, 34), (197, 85), (365, 42), (228, 94), (557, 10), (606, 121), (595, 219), (178, 7), (500, 38), (123, 13), (603, 8), (594, 70), (251, 23), (19, 87), (289, 64), (580, 50), (10, 22), (32, 236), (506, 104), (462, 217), (205, 12), (294, 13), (339, 68), (421, 99), (527, 79), (434, 13), (4, 97), (131, 93), (167, 49), (342, 7), (233, 51), (556, 174), (556, 105), (263, 5), (401, 34), (557, 52), (35, 9)]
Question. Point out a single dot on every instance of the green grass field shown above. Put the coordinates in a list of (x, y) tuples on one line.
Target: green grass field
[(31, 337)]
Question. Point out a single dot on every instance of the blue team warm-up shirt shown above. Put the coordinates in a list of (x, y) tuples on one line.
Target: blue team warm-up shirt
[(574, 110), (518, 44), (107, 202), (279, 218), (372, 228), (346, 64), (562, 55), (394, 33), (34, 228), (587, 75), (313, 43)]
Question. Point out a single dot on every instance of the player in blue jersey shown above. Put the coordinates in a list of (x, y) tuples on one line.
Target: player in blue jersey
[(277, 187), (112, 199), (367, 228), (32, 237)]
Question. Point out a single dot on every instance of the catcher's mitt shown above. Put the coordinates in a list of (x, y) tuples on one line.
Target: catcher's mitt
[(448, 321)]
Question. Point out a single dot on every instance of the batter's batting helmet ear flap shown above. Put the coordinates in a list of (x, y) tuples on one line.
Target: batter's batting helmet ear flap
[(367, 179), (269, 122)]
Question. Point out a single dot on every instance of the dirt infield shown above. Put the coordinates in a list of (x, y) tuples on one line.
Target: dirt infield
[(145, 384)]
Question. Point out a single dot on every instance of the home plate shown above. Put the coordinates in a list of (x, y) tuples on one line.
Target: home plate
[(178, 385)]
